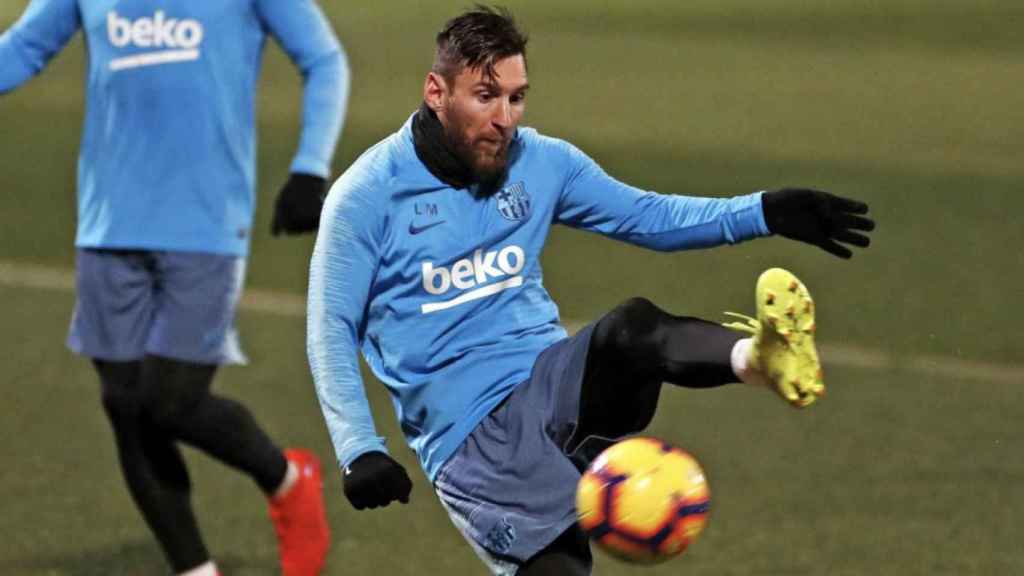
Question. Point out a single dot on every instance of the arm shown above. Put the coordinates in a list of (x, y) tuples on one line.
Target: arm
[(307, 38), (592, 200), (41, 32), (340, 276)]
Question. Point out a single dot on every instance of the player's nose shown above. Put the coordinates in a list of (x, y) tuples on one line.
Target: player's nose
[(502, 117)]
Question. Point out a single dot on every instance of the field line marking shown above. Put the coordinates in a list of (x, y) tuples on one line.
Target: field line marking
[(33, 276), (20, 275)]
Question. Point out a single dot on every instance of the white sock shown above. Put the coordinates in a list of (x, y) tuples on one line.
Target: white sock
[(208, 569), (291, 476), (740, 359)]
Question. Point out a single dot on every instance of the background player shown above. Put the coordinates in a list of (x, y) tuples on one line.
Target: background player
[(166, 196)]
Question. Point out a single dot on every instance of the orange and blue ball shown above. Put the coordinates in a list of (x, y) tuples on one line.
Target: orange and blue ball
[(643, 500)]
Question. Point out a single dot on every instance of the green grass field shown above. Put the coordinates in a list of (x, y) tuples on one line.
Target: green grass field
[(909, 466)]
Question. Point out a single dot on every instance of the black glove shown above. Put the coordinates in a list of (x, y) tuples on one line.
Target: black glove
[(817, 218), (298, 205), (374, 479)]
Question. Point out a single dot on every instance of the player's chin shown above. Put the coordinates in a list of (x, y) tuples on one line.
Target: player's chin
[(490, 175), (489, 165)]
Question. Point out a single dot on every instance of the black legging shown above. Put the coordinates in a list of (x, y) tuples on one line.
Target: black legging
[(152, 404), (636, 347), (568, 555), (639, 338)]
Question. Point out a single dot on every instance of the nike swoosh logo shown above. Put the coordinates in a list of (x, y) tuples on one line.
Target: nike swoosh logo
[(414, 229)]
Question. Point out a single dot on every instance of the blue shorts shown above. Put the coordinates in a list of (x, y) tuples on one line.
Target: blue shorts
[(510, 488), (180, 305)]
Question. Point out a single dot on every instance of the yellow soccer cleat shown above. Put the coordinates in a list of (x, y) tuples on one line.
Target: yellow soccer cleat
[(783, 349)]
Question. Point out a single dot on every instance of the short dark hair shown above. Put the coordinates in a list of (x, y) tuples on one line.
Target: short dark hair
[(477, 39)]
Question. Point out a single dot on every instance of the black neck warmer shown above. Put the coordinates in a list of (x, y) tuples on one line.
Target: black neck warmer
[(433, 149)]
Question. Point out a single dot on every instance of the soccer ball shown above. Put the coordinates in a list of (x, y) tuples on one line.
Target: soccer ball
[(643, 500)]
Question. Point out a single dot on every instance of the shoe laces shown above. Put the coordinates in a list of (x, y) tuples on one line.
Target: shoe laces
[(748, 325)]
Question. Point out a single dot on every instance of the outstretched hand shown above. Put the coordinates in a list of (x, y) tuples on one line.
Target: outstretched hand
[(374, 479), (298, 205), (818, 218)]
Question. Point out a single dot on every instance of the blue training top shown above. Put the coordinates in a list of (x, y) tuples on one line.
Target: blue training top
[(443, 292), (168, 149)]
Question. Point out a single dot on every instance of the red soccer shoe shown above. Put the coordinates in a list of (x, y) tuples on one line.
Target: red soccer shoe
[(303, 536)]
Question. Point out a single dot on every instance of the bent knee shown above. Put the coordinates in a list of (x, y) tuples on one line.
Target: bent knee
[(638, 309), (632, 323), (173, 390), (170, 409), (168, 415)]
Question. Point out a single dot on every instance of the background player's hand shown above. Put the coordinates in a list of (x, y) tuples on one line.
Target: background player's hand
[(817, 218), (374, 479), (298, 205)]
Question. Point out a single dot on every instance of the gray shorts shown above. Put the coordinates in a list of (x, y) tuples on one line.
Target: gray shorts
[(511, 487), (178, 305)]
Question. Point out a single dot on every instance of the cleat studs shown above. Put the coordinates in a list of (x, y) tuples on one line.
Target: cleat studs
[(790, 311), (793, 285), (769, 298)]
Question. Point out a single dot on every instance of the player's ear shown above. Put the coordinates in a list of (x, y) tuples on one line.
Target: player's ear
[(435, 91)]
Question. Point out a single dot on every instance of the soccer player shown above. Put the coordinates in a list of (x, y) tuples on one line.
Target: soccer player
[(166, 194), (428, 261)]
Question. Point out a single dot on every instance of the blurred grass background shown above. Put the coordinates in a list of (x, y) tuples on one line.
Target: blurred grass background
[(911, 105)]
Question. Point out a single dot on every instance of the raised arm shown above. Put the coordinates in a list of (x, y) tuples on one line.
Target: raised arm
[(41, 32), (593, 200)]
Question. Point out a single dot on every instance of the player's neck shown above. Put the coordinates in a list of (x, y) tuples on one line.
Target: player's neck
[(433, 150)]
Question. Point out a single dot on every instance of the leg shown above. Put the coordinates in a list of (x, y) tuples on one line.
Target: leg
[(152, 467), (113, 312), (636, 347), (193, 333), (568, 555), (639, 338), (178, 401)]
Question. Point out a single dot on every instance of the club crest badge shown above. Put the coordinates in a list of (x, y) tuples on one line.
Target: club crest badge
[(513, 202)]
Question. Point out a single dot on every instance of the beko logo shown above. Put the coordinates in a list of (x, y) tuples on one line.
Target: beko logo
[(177, 40), (473, 274)]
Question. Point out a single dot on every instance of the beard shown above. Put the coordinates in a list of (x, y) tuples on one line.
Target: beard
[(489, 167)]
